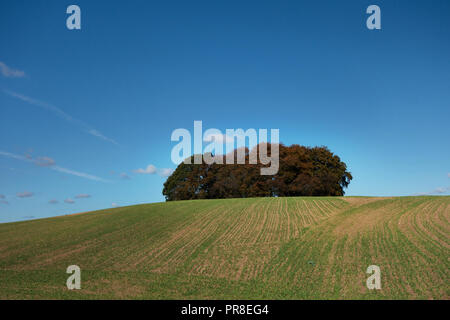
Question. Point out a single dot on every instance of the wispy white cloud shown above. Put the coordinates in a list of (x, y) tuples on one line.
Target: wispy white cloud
[(59, 112), (53, 167), (44, 161), (10, 72), (151, 169), (125, 176), (82, 196), (69, 201), (43, 105), (114, 204), (122, 175), (78, 174), (99, 135), (53, 201), (14, 156), (25, 194), (440, 190), (2, 199), (165, 172)]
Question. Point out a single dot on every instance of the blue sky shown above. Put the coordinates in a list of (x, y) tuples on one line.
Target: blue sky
[(81, 111)]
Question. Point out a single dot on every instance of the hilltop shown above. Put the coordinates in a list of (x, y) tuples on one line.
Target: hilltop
[(255, 248)]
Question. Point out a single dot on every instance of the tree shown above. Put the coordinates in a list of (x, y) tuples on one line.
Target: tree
[(303, 171)]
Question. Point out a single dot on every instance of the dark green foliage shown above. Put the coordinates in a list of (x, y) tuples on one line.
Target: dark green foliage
[(303, 171)]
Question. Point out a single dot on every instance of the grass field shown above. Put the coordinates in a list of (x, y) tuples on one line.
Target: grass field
[(259, 248)]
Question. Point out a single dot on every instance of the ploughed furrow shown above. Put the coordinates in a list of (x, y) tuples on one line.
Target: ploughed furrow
[(105, 243), (399, 235), (253, 235), (293, 247)]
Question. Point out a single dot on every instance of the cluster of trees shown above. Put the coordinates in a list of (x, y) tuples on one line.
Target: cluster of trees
[(303, 171)]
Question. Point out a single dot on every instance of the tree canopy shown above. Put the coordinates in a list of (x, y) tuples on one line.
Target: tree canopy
[(303, 171)]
